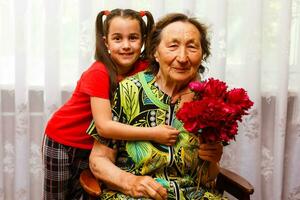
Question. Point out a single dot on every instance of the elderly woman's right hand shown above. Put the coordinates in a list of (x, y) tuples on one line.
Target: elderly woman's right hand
[(144, 186), (102, 165)]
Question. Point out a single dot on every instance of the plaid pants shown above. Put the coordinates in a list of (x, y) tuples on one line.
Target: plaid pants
[(62, 167)]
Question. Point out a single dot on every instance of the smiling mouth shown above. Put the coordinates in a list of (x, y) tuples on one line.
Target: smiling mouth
[(181, 69), (126, 54)]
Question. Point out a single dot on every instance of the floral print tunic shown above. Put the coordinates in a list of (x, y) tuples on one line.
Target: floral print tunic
[(139, 102)]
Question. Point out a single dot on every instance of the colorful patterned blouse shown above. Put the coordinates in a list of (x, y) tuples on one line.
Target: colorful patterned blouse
[(139, 102)]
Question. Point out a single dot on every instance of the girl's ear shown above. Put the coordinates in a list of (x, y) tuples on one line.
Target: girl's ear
[(106, 44), (105, 41)]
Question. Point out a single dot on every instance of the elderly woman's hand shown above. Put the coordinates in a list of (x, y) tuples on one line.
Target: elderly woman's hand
[(145, 186), (211, 152), (102, 165), (185, 95)]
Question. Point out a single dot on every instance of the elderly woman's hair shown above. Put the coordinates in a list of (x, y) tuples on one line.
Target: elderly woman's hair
[(155, 38)]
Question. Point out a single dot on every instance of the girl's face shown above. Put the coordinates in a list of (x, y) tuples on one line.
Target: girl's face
[(124, 41)]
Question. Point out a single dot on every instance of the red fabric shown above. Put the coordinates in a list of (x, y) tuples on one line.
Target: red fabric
[(140, 65), (69, 123)]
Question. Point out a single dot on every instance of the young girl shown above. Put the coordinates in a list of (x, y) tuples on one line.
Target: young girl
[(66, 147)]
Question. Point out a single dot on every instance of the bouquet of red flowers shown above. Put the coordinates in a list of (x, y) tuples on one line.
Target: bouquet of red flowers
[(215, 111)]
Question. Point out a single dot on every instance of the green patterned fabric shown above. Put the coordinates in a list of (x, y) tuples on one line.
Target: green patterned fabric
[(139, 102)]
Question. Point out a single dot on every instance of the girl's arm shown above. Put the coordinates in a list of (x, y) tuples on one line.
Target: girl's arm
[(108, 128), (102, 165)]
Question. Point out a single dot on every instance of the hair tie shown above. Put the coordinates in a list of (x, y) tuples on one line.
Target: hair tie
[(106, 12), (142, 13)]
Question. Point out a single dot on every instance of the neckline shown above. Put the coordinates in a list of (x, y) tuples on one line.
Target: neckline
[(147, 84)]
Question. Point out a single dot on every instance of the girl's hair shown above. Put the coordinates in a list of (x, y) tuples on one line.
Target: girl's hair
[(102, 29), (155, 38)]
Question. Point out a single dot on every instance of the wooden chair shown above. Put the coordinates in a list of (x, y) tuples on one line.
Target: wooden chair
[(234, 184), (227, 181)]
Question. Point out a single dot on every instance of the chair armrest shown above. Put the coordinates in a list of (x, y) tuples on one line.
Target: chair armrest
[(234, 184), (89, 183)]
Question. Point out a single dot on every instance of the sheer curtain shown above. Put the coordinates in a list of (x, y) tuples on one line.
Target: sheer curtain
[(46, 45)]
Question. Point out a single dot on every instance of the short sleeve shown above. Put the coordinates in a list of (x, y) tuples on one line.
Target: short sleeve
[(95, 82)]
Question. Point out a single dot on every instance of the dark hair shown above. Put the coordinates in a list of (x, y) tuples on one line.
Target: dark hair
[(155, 38), (102, 29)]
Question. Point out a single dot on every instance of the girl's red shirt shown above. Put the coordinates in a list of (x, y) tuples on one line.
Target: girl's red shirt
[(69, 123)]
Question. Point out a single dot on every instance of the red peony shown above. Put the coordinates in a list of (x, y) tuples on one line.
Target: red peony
[(215, 112)]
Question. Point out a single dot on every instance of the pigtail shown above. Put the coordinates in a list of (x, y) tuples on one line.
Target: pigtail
[(149, 26), (101, 53), (99, 35)]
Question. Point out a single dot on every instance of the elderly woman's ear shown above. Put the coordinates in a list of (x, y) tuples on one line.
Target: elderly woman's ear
[(155, 56)]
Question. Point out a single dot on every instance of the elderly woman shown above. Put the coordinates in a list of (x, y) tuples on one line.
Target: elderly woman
[(144, 169)]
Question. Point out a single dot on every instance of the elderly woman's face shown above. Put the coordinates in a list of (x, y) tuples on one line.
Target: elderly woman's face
[(179, 53)]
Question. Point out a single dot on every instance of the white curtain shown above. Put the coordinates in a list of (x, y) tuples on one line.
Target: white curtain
[(46, 44)]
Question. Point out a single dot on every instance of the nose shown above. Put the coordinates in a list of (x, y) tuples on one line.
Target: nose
[(126, 44), (182, 56)]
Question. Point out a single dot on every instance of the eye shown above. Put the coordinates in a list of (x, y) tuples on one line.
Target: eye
[(133, 37), (173, 46), (193, 47), (116, 38)]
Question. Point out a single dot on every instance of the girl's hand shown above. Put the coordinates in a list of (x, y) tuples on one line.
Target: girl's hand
[(164, 134)]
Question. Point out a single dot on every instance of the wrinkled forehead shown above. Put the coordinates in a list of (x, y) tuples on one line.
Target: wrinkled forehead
[(181, 31)]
